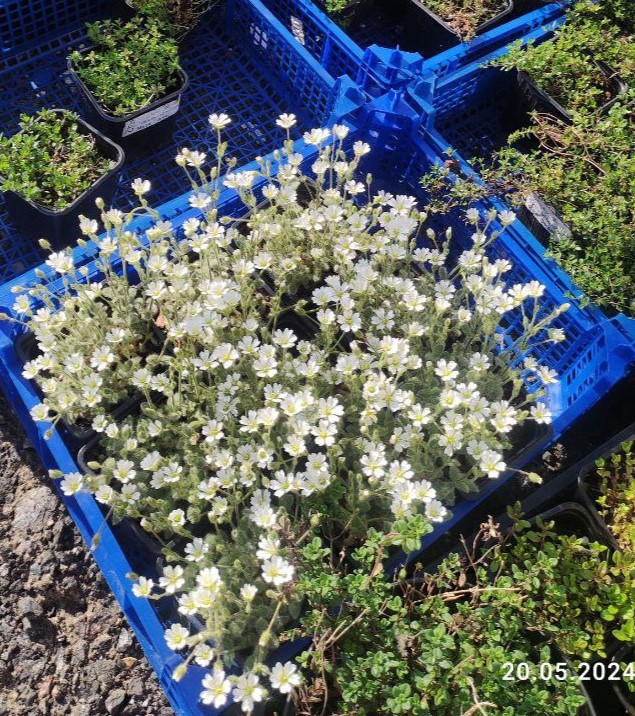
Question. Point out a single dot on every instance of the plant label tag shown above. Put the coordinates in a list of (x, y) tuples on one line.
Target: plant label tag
[(297, 29), (151, 118)]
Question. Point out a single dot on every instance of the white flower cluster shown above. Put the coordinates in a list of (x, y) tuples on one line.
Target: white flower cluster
[(318, 366)]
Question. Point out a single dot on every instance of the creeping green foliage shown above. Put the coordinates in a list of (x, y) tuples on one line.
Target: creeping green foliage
[(441, 643), (50, 162), (616, 501), (585, 170), (130, 66), (175, 17), (565, 67)]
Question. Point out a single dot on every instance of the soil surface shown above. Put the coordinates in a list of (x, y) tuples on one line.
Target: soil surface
[(65, 646)]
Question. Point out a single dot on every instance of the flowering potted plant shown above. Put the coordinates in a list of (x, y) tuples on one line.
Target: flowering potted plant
[(52, 170), (130, 81), (81, 349), (252, 437)]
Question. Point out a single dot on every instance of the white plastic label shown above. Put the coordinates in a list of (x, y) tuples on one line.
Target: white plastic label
[(297, 28), (151, 118)]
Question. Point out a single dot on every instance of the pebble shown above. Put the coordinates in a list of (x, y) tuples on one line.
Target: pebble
[(115, 701), (27, 606)]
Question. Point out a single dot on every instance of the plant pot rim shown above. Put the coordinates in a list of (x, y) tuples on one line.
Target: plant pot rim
[(620, 87), (115, 119), (618, 689), (102, 140), (542, 435), (483, 27)]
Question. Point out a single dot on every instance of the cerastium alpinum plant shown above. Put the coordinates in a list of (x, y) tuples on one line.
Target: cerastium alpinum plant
[(324, 368)]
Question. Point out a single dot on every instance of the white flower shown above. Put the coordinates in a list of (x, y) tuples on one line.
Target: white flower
[(141, 186), (209, 578), (196, 550), (216, 689), (124, 471), (492, 463), (479, 362), (354, 187), (248, 592), (172, 579), (268, 547), (104, 494), (88, 227), (286, 121), (176, 518), (72, 483), (176, 637), (284, 677), (446, 370), (316, 136), (240, 180), (277, 572), (100, 423), (40, 413), (507, 217), (203, 654), (340, 131), (540, 413), (556, 335), (325, 433), (547, 375), (22, 304), (373, 464), (143, 587), (248, 692), (61, 262), (472, 216), (435, 511), (534, 289), (200, 200), (360, 148), (219, 121)]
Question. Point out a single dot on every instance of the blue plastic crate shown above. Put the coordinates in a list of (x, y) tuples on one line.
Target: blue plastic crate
[(245, 64), (589, 362), (371, 55), (29, 23)]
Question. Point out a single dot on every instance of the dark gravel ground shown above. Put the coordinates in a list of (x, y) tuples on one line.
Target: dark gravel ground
[(65, 647)]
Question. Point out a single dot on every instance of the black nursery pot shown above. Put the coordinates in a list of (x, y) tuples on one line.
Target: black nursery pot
[(535, 435), (414, 27), (81, 434), (626, 698), (60, 226), (495, 21), (27, 350), (569, 518), (135, 131), (537, 100)]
